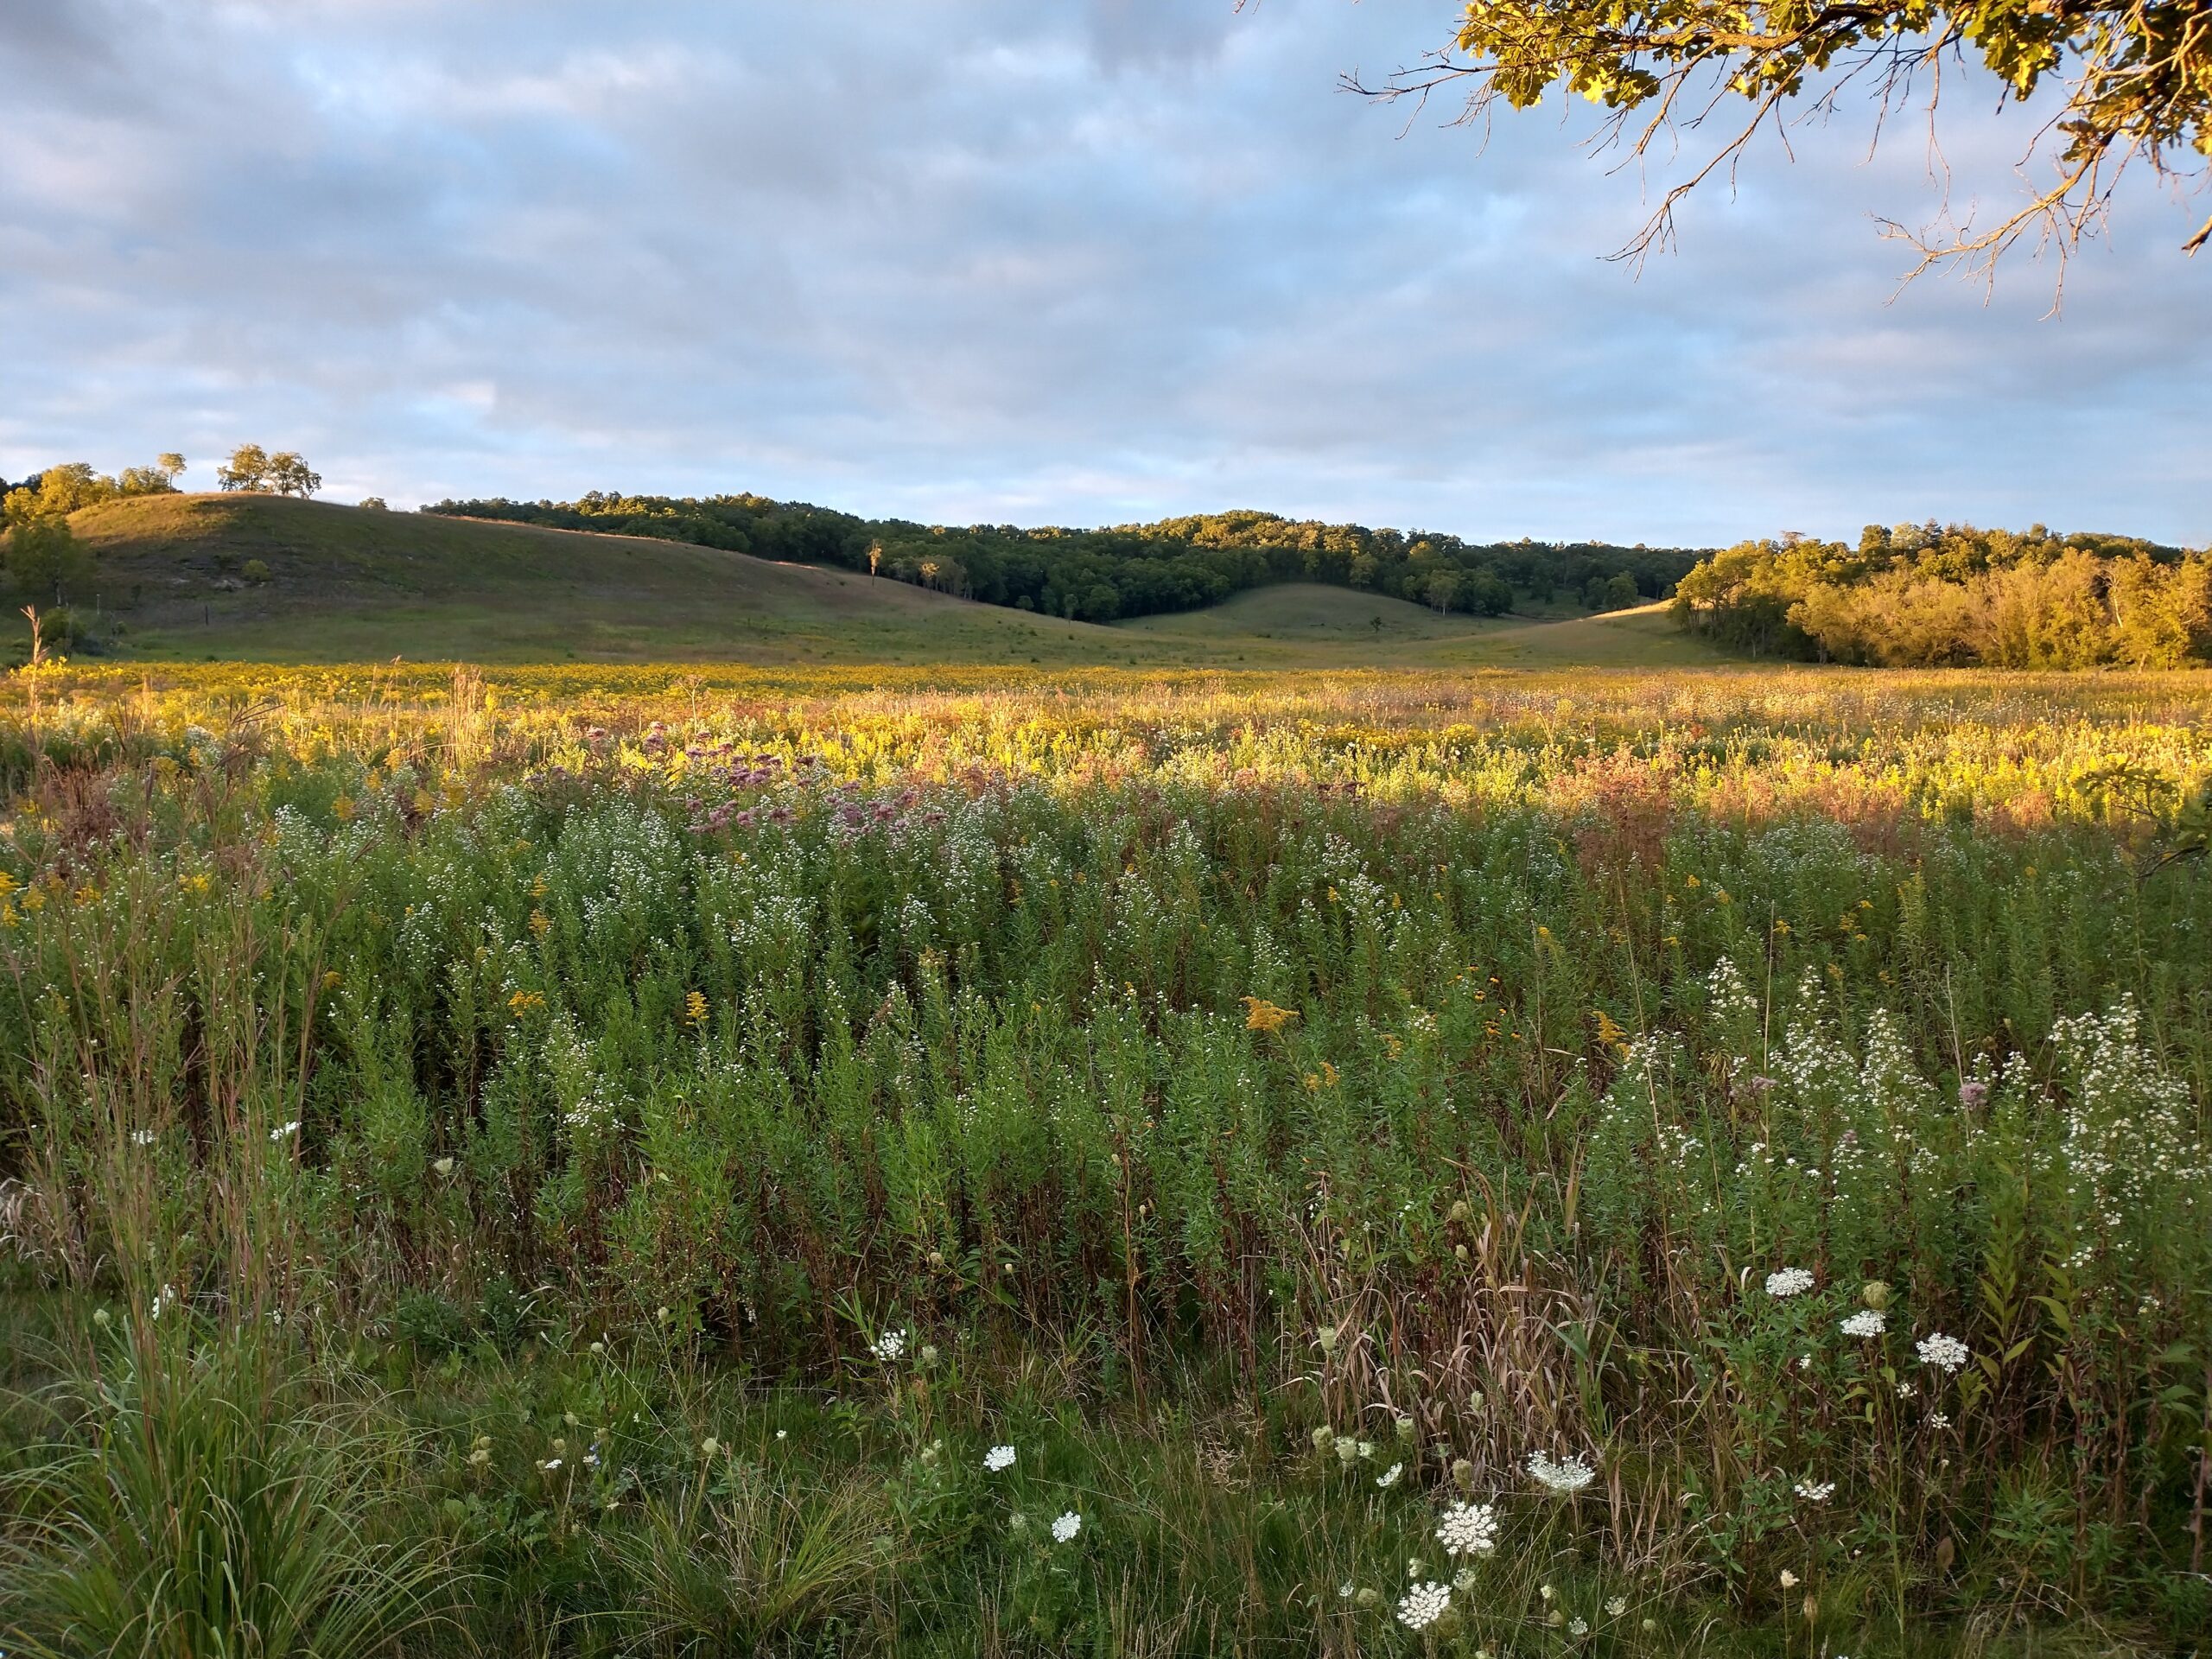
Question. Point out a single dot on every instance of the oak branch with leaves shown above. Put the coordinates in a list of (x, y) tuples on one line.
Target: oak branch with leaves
[(2136, 84)]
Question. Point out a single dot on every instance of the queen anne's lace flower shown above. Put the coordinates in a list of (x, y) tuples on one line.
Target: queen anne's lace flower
[(998, 1458), (1570, 1474), (1422, 1605), (1867, 1322), (1789, 1281), (888, 1346), (1390, 1477), (1948, 1353), (1815, 1491), (1468, 1529), (1064, 1528)]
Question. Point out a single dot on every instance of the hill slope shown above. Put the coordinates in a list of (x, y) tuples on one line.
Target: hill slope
[(343, 584), (261, 578)]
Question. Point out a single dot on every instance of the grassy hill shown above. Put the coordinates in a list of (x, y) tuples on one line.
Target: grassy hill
[(261, 578), (1297, 622)]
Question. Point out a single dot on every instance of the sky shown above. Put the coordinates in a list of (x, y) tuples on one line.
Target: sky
[(999, 261)]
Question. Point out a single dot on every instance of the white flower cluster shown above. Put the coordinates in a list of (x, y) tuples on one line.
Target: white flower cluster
[(1570, 1474), (1390, 1477), (998, 1458), (888, 1346), (1948, 1353), (1423, 1604), (284, 1131), (1468, 1529), (1064, 1528), (1789, 1281), (1866, 1322), (1815, 1491)]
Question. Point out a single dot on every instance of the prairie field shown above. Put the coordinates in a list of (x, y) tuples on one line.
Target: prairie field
[(626, 1160)]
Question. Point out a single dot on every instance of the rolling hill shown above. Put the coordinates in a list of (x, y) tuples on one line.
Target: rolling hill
[(265, 578)]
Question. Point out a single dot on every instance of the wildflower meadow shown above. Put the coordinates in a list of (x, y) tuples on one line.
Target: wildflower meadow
[(609, 1161)]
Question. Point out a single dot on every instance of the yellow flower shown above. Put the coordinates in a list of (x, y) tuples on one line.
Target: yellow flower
[(522, 1002), (333, 979), (540, 922), (695, 1008), (1260, 1015), (343, 806)]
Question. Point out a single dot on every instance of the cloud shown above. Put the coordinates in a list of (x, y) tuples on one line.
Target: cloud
[(996, 261)]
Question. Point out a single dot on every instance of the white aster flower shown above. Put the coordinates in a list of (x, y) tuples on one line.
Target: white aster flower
[(998, 1458), (1390, 1477), (1866, 1322), (1468, 1529), (283, 1130), (1422, 1605), (1064, 1528), (1789, 1281), (1570, 1474), (1815, 1491), (888, 1346), (1947, 1352)]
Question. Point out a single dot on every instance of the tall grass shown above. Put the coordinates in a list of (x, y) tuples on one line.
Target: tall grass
[(188, 1505), (1785, 1101)]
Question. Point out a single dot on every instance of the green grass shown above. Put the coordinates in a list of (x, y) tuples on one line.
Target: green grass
[(1295, 624), (345, 585), (1279, 1108)]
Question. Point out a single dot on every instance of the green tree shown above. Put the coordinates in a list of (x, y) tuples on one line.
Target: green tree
[(291, 475), (2133, 82), (45, 560), (1442, 590), (160, 478), (1489, 594), (247, 471), (69, 488)]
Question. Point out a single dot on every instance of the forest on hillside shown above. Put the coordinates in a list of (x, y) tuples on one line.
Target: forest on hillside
[(1930, 596), (1097, 575)]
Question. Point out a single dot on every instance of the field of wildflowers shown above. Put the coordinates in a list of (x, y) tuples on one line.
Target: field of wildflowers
[(624, 1162)]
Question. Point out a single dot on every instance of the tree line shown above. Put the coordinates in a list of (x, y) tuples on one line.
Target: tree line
[(1097, 575), (1925, 595)]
